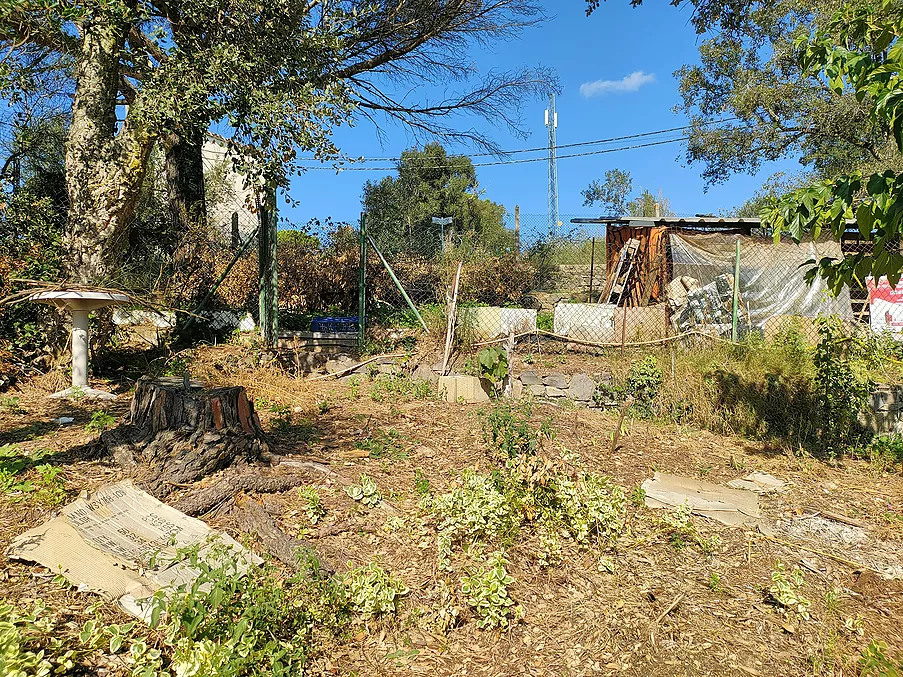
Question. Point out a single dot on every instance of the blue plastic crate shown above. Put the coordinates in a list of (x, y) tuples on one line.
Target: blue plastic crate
[(334, 325)]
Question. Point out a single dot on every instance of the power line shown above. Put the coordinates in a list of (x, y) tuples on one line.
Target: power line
[(578, 144), (505, 162)]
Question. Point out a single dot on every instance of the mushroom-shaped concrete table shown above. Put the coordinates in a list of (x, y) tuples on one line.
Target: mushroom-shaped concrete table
[(80, 303)]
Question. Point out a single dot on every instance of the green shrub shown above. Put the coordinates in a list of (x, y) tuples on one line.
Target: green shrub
[(372, 591), (493, 364), (644, 384), (507, 430), (365, 492), (487, 594)]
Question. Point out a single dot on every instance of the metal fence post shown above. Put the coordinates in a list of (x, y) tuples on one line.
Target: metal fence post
[(268, 270), (734, 329), (362, 289)]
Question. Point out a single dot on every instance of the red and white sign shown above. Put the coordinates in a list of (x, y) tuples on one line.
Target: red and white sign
[(885, 306)]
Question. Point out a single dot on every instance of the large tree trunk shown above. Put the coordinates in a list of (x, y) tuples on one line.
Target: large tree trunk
[(104, 166), (185, 178)]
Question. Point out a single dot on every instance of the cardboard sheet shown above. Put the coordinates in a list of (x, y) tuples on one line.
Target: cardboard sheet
[(733, 507), (123, 544)]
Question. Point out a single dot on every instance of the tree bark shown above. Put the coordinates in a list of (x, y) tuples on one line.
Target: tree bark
[(104, 166), (185, 178)]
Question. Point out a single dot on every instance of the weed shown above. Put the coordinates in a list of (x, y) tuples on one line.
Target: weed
[(100, 421), (384, 444), (714, 581), (508, 433), (682, 531), (703, 469), (312, 504), (874, 661), (884, 453), (48, 488), (644, 383), (638, 496), (11, 405), (365, 492), (283, 417), (354, 388), (487, 594), (372, 591), (421, 483), (324, 405), (785, 590), (549, 548), (545, 321), (400, 388)]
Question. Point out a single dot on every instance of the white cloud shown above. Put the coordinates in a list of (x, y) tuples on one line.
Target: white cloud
[(629, 83)]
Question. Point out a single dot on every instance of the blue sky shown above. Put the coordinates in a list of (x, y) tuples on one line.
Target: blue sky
[(616, 73)]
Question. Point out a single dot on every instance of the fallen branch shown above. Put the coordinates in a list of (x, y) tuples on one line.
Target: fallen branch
[(342, 527), (836, 558), (671, 607), (259, 481), (837, 517), (353, 367)]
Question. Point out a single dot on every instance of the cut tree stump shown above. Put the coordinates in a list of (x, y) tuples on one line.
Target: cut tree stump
[(177, 435)]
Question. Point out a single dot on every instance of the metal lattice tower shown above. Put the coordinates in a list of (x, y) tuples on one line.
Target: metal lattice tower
[(552, 124)]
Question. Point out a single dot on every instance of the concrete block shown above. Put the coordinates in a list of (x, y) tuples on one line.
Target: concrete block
[(465, 388), (530, 378), (556, 380), (582, 388)]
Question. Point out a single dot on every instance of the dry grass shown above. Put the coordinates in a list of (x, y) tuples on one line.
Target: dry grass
[(579, 620)]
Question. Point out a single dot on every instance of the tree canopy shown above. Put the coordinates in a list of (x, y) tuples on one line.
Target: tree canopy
[(278, 74), (858, 53), (431, 183), (614, 195)]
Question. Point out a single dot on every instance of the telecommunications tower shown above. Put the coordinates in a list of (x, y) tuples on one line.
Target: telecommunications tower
[(552, 124)]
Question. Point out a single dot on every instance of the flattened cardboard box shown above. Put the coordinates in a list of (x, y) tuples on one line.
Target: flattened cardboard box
[(123, 544)]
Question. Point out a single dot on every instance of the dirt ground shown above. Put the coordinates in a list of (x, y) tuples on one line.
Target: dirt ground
[(663, 610)]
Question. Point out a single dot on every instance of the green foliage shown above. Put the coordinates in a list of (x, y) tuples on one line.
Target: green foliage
[(100, 421), (28, 647), (421, 483), (714, 582), (11, 405), (487, 594), (493, 364), (507, 430), (545, 321), (856, 52), (644, 383), (884, 452), (611, 194), (430, 183), (25, 477), (842, 383), (874, 662), (372, 591), (386, 443), (786, 588), (682, 531), (236, 623), (366, 492), (388, 388), (312, 504)]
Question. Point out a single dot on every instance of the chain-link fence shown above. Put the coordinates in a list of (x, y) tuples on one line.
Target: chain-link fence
[(616, 281)]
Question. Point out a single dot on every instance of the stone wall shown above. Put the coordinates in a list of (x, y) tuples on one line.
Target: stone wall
[(884, 413), (579, 388)]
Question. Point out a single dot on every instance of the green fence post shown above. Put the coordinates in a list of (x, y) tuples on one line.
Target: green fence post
[(734, 333), (362, 289), (404, 294), (268, 270)]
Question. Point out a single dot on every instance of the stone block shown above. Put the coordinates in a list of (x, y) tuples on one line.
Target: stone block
[(581, 388), (467, 389), (556, 380), (517, 389), (536, 389), (552, 391), (423, 372), (530, 378), (389, 368)]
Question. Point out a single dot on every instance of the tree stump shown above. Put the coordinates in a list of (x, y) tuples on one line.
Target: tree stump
[(177, 435)]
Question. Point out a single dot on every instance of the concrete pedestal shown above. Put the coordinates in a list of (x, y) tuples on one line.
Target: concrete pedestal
[(80, 304)]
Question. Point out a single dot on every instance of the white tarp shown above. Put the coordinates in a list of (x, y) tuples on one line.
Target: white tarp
[(772, 280), (122, 544)]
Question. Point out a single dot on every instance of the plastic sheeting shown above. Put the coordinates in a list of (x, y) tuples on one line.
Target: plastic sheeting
[(772, 280)]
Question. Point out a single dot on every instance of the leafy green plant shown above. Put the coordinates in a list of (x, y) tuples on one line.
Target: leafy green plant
[(11, 405), (643, 384), (507, 431), (365, 492), (312, 504), (545, 321), (421, 483), (100, 421), (388, 388), (884, 452), (383, 444), (324, 404), (874, 661), (48, 487), (487, 594), (785, 590), (372, 591), (842, 383), (492, 362), (682, 531), (714, 581), (354, 387)]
